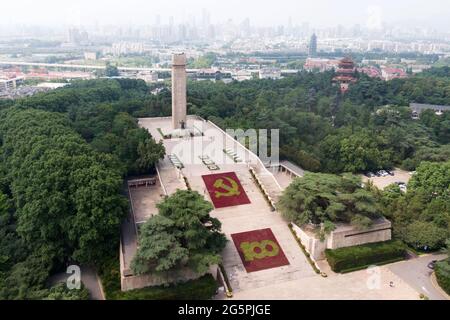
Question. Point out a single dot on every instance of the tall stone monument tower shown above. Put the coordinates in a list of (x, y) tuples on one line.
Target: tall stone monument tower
[(179, 100)]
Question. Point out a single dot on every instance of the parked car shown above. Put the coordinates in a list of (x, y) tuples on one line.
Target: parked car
[(403, 186), (382, 173), (432, 264), (391, 173), (370, 175)]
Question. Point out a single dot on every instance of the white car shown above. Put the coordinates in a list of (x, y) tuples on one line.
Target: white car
[(383, 173), (403, 187)]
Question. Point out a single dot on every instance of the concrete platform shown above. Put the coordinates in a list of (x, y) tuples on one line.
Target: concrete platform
[(295, 281), (254, 216), (144, 200)]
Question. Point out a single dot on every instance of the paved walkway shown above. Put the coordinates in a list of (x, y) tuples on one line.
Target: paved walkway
[(237, 219), (92, 282), (352, 286)]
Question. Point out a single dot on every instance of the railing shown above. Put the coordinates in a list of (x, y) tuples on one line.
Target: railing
[(160, 180), (258, 160), (225, 281)]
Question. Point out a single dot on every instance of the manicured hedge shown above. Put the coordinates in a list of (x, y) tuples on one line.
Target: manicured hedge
[(443, 275), (200, 289), (359, 257)]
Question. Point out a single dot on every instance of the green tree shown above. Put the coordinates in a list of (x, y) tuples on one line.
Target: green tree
[(328, 199), (421, 217), (359, 152), (111, 70), (67, 197), (159, 248), (149, 153), (421, 235), (182, 234), (61, 292), (432, 178)]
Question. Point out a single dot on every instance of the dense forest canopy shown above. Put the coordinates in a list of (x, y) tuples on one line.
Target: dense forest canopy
[(368, 128), (60, 199), (63, 159)]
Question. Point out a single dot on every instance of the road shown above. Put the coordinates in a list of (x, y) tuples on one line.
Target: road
[(91, 280), (84, 66), (416, 273), (97, 67)]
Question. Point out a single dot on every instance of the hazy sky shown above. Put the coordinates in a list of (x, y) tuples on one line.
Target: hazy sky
[(261, 12)]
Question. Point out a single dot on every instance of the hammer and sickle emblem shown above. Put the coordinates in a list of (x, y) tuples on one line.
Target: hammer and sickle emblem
[(230, 190), (259, 250)]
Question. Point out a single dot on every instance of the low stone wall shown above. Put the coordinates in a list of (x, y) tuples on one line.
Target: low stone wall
[(343, 236), (138, 282), (348, 236), (313, 245)]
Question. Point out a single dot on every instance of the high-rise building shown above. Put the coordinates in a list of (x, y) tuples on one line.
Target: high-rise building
[(158, 20), (78, 37), (290, 27), (245, 28), (313, 46)]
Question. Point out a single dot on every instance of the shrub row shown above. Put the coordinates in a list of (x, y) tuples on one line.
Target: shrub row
[(359, 257), (443, 275), (203, 288)]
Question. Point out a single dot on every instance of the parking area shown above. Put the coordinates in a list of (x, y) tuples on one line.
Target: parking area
[(359, 285), (398, 176)]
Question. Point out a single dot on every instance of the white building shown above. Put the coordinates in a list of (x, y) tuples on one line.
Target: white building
[(149, 77), (90, 56), (10, 84), (242, 75), (270, 73)]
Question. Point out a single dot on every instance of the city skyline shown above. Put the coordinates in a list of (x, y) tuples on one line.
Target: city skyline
[(323, 13)]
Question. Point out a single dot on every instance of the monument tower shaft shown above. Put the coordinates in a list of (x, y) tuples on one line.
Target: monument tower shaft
[(179, 93)]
